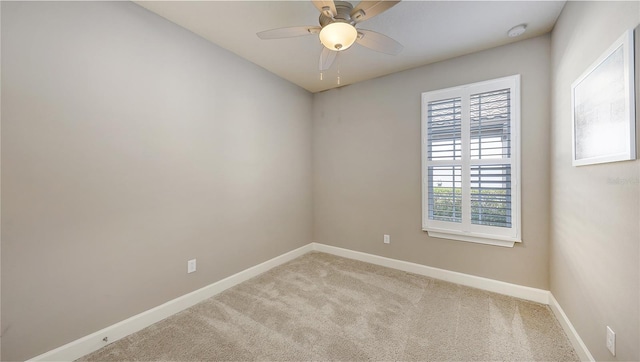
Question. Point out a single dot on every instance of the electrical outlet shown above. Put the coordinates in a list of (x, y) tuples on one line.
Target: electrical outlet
[(387, 239), (611, 340), (191, 266)]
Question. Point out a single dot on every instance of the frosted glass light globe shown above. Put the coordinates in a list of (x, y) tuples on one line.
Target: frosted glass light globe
[(338, 36)]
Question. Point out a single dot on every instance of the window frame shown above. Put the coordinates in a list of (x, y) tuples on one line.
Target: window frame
[(466, 230)]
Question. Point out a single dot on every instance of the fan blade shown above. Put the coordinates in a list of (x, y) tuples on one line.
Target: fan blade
[(326, 58), (327, 7), (289, 32), (378, 42), (367, 9)]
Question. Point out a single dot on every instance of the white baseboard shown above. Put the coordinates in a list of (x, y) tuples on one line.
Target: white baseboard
[(94, 341), (572, 334), (496, 286)]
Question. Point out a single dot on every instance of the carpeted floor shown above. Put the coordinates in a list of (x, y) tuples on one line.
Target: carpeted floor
[(323, 307)]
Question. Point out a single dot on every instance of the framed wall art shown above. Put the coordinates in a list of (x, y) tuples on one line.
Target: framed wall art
[(603, 107)]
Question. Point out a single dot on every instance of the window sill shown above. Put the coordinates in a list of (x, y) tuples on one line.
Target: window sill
[(508, 243)]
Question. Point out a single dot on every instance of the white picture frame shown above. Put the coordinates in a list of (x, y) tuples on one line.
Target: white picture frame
[(603, 107)]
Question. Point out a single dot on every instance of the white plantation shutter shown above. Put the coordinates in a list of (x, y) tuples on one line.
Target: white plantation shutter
[(444, 129), (490, 114), (445, 193), (471, 162), (491, 195), (490, 117), (445, 144)]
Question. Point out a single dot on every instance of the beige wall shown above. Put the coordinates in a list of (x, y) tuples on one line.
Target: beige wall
[(595, 231), (130, 145), (367, 165)]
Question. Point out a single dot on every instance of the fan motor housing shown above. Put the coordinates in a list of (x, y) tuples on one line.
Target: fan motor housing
[(343, 9)]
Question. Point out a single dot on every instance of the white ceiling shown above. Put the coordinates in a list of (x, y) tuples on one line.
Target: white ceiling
[(429, 30)]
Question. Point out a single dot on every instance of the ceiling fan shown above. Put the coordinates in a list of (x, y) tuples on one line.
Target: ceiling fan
[(337, 30)]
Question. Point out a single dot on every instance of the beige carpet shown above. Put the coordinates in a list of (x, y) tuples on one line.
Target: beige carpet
[(323, 307)]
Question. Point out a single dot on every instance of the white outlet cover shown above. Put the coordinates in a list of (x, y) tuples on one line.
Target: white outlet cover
[(387, 239), (611, 340), (191, 266)]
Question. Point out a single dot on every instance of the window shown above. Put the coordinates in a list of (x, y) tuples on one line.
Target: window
[(471, 162)]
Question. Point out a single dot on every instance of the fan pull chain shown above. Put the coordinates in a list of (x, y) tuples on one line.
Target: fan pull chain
[(338, 65)]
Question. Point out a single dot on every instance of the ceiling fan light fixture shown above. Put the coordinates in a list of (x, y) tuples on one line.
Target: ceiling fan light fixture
[(338, 36)]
